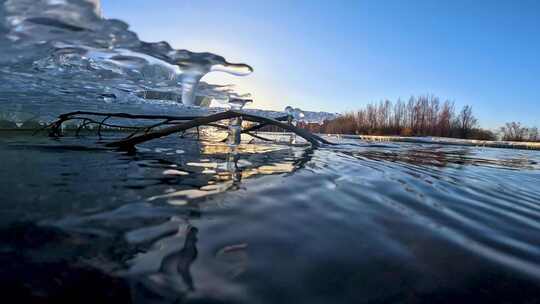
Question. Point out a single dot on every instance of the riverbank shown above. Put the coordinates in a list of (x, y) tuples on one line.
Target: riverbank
[(448, 141)]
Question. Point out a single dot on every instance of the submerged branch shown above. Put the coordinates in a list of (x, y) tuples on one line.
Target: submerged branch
[(168, 125), (131, 142)]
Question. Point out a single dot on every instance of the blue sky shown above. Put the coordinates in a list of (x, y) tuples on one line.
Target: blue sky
[(339, 55)]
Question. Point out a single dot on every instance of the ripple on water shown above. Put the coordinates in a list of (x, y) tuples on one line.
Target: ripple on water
[(352, 223)]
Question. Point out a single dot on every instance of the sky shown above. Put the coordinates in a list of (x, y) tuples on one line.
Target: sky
[(337, 56)]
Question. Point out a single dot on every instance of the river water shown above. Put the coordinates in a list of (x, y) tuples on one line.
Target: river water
[(186, 220)]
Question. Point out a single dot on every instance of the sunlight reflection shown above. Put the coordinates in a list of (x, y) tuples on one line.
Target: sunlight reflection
[(224, 168)]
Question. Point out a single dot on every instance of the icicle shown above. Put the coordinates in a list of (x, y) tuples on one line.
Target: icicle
[(235, 124), (235, 131), (293, 115)]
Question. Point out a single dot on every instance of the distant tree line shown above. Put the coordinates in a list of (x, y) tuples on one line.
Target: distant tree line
[(514, 131), (419, 116)]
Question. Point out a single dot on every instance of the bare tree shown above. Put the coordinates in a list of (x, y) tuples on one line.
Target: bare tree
[(423, 115), (515, 131), (466, 121)]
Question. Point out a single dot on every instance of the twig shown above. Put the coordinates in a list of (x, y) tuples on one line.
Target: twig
[(83, 124), (101, 125), (259, 137)]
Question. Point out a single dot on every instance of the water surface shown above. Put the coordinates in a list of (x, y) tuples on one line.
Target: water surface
[(182, 220)]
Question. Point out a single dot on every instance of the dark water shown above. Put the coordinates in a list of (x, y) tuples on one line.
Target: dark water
[(186, 221)]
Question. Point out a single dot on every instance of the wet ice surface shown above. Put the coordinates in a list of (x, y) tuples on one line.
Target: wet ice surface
[(61, 56), (183, 220)]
